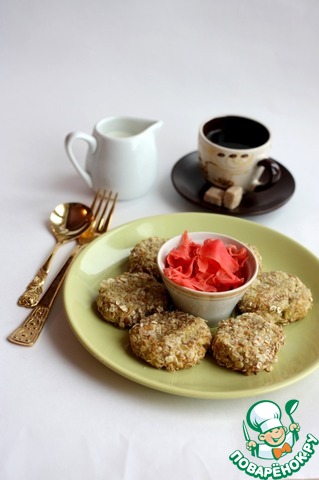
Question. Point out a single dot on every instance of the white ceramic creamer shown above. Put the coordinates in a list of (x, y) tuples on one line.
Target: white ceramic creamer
[(122, 155)]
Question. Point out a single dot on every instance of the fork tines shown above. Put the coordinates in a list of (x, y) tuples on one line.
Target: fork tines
[(102, 201)]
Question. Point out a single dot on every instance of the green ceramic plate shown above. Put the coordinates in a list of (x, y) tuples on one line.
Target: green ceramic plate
[(107, 256)]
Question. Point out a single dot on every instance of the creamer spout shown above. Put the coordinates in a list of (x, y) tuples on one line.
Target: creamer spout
[(156, 125)]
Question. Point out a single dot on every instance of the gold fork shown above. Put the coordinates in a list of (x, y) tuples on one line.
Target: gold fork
[(28, 332)]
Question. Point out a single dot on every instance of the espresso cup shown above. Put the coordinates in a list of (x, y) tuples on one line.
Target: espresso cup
[(234, 151)]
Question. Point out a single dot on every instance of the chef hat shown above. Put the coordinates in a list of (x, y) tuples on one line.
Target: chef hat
[(264, 416)]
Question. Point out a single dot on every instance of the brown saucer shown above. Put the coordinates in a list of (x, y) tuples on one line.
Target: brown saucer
[(190, 183)]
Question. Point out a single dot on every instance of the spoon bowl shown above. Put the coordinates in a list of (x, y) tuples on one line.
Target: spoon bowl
[(67, 222), (290, 407)]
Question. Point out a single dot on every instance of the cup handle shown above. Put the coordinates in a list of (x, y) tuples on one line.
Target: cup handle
[(274, 173), (92, 143)]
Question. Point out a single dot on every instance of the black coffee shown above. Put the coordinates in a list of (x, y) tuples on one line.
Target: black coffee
[(236, 132), (221, 138)]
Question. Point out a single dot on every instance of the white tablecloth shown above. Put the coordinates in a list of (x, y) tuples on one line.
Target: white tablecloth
[(64, 66)]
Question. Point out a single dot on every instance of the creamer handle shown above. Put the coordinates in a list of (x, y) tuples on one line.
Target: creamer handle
[(91, 141)]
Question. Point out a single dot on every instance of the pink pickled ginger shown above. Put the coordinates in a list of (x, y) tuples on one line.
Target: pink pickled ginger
[(210, 267)]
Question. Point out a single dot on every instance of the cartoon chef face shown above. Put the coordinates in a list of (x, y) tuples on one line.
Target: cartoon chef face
[(274, 437)]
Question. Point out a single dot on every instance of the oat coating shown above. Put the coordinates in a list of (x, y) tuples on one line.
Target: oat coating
[(127, 298), (258, 256), (171, 340), (248, 343), (278, 296), (143, 256)]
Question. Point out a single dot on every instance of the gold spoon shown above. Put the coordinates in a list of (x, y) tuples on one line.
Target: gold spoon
[(67, 222)]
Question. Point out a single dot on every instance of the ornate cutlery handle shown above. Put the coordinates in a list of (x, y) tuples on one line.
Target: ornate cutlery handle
[(30, 298), (28, 333)]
